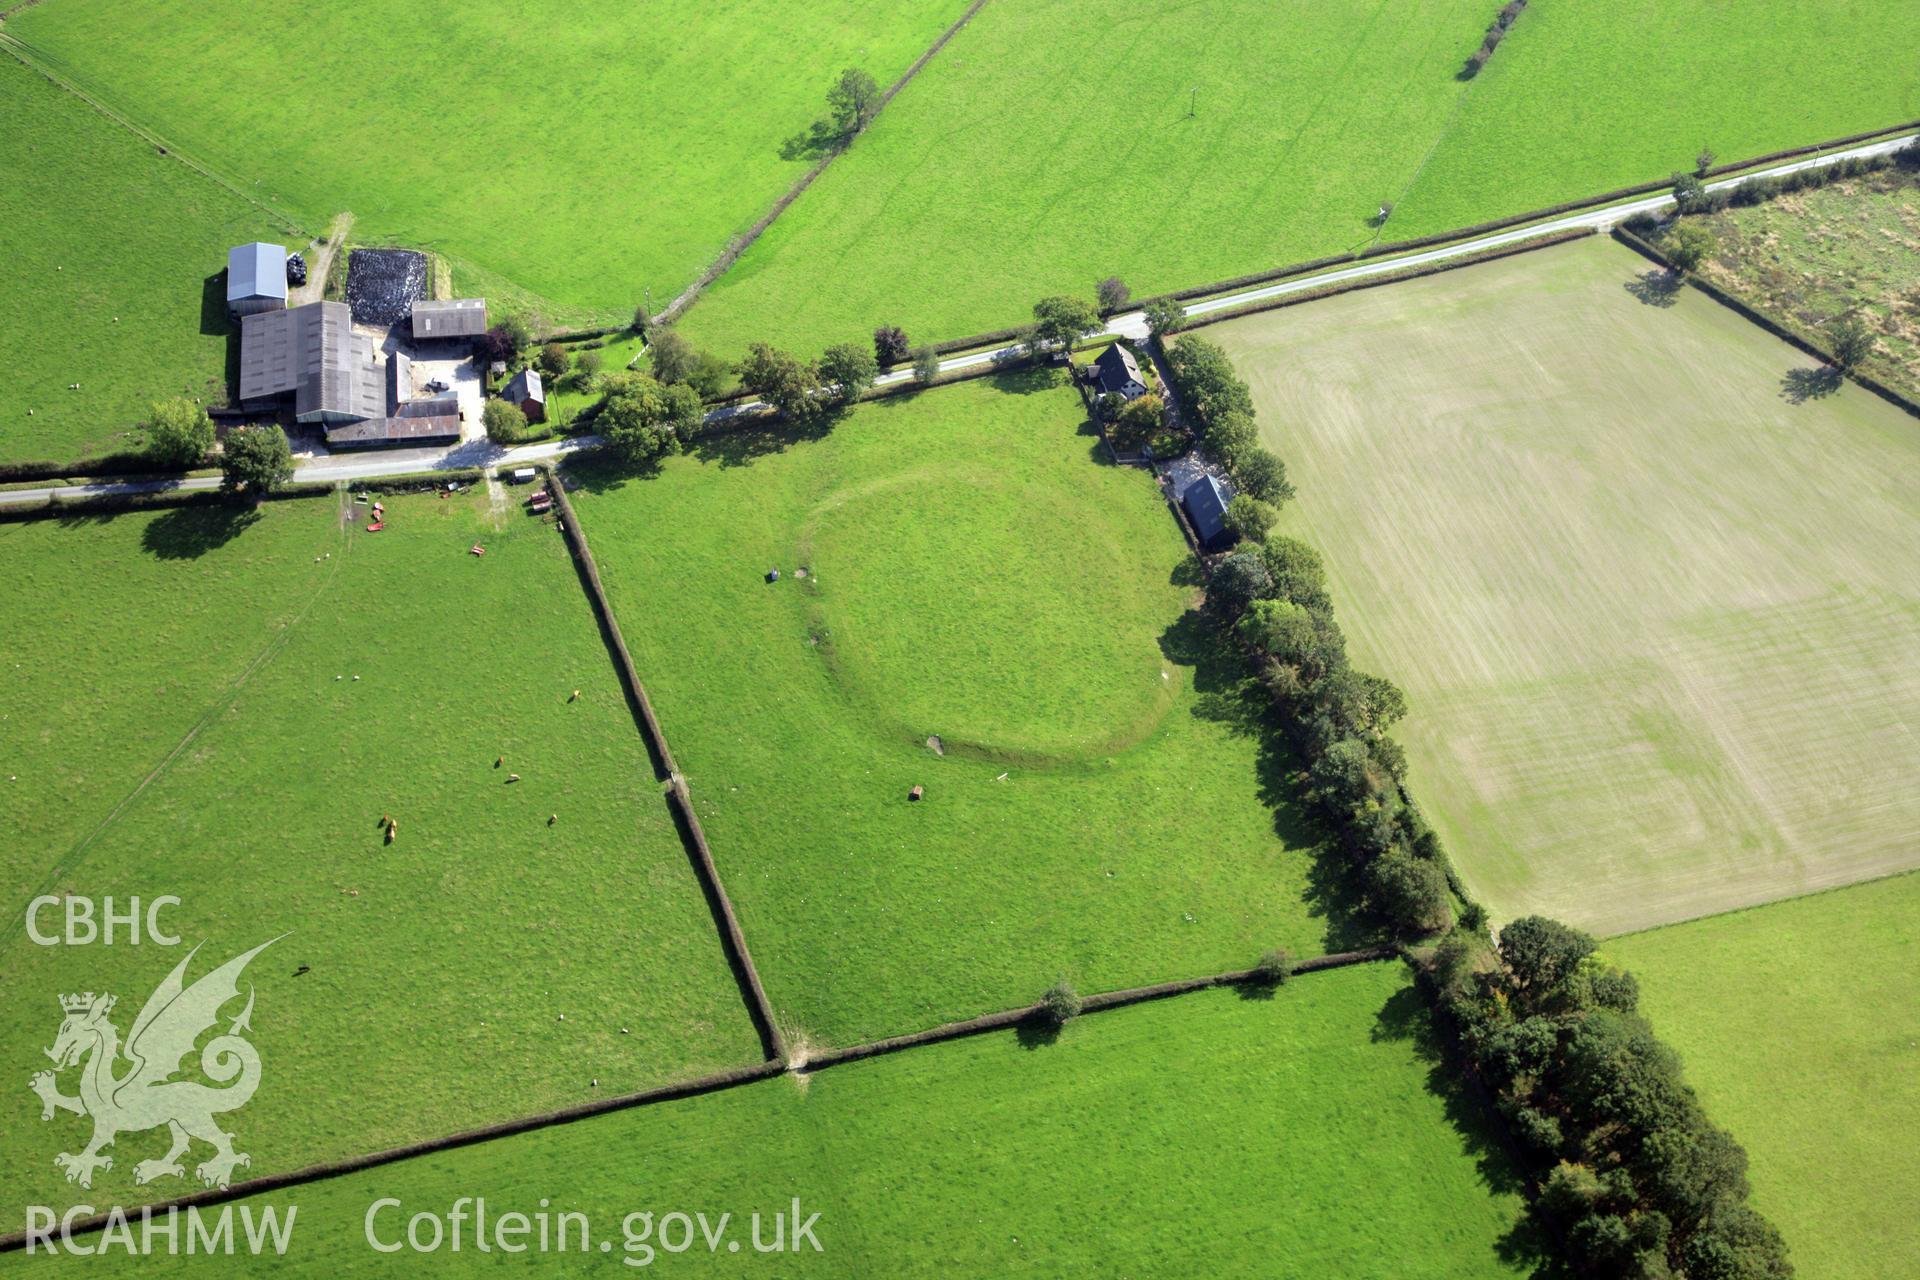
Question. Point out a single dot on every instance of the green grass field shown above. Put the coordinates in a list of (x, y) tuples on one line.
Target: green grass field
[(1297, 1137), (582, 151), (1025, 161), (1022, 164), (174, 725), (1656, 612), (1799, 1028), (1810, 256), (108, 249), (1102, 811), (1585, 98)]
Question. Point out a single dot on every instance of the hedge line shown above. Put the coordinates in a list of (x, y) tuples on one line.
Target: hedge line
[(1513, 220), (1389, 277), (680, 799), (503, 1129), (742, 242), (1774, 325), (1026, 1014), (1496, 32)]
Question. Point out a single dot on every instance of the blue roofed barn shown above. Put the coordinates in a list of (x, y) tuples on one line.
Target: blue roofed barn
[(256, 278)]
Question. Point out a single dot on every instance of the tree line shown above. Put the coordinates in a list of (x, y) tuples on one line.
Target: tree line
[(1637, 1183)]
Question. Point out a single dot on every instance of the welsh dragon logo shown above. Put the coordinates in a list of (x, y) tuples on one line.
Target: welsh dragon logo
[(145, 1095)]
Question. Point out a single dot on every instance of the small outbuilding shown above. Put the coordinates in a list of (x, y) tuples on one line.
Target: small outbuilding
[(1117, 373), (1205, 502), (256, 278), (526, 391), (434, 321)]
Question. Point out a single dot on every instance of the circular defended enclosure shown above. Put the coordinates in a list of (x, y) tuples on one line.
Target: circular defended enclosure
[(1001, 612)]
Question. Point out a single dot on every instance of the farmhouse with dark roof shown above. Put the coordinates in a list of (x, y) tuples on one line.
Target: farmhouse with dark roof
[(1117, 373)]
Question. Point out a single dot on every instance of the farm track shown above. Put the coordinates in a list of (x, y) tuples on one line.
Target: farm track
[(214, 710)]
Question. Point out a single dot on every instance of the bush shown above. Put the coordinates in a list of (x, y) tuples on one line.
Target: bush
[(179, 432), (889, 345), (506, 423), (1273, 968), (1060, 1005), (1112, 294), (553, 360), (587, 366), (1703, 162), (1250, 518)]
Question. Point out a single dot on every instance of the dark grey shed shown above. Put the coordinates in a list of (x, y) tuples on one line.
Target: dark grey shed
[(525, 390), (1206, 506)]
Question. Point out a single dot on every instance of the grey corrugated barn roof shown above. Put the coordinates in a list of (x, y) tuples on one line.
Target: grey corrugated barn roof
[(333, 373), (452, 318), (257, 270), (1206, 504), (1115, 369), (435, 420)]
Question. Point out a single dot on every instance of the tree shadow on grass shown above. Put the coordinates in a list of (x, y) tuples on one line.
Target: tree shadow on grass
[(187, 533), (1036, 1032), (1188, 572), (1656, 288), (1802, 385), (1226, 693), (1407, 1017)]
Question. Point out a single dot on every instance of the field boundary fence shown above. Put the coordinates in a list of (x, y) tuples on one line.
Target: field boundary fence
[(744, 241), (679, 797), (1774, 325), (714, 1082)]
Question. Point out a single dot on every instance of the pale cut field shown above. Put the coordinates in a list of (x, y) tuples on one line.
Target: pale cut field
[(1659, 624)]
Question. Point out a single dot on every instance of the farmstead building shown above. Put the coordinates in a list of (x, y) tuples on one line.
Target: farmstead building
[(1117, 373), (256, 278)]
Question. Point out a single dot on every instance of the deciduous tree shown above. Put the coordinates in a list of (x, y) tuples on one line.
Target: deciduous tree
[(179, 432), (786, 383), (1061, 321), (254, 461)]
